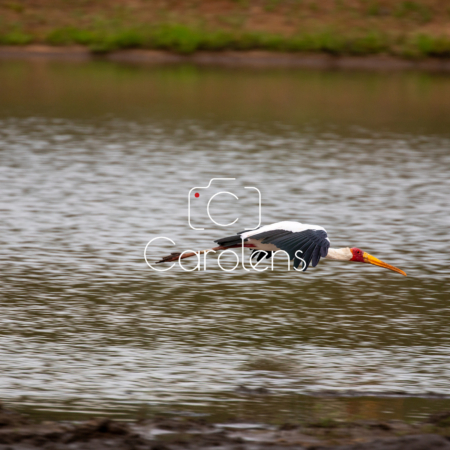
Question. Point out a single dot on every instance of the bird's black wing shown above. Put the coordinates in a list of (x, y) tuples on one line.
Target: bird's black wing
[(260, 254), (307, 245)]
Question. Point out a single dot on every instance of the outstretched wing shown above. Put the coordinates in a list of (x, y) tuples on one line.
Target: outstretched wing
[(300, 241)]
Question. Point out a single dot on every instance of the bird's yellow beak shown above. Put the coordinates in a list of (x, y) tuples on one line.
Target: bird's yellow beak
[(372, 260)]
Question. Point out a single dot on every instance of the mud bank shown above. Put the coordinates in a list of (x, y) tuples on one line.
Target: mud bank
[(17, 432), (262, 59)]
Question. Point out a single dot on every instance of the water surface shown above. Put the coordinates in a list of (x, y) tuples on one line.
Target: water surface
[(96, 159)]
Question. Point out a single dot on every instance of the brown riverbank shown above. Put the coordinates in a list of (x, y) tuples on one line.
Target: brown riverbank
[(408, 28), (18, 432), (255, 58)]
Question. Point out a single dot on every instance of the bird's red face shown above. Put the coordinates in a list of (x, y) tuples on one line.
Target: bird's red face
[(360, 256)]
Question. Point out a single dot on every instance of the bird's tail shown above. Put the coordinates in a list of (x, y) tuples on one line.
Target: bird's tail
[(177, 256)]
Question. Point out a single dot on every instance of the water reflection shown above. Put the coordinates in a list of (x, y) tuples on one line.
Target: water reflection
[(85, 324)]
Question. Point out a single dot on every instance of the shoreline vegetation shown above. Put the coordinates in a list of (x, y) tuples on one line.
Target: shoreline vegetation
[(411, 30)]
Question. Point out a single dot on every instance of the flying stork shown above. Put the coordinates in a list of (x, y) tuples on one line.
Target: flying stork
[(301, 241)]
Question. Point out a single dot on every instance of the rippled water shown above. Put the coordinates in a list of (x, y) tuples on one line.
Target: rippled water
[(97, 159)]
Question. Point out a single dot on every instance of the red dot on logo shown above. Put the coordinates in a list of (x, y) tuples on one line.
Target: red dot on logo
[(197, 195)]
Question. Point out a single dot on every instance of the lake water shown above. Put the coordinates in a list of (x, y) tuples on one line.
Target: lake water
[(96, 159)]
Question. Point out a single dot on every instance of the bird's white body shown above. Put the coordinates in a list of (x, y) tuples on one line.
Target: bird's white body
[(295, 227), (339, 254)]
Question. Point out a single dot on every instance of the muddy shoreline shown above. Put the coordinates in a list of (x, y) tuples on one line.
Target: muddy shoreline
[(252, 59), (19, 432)]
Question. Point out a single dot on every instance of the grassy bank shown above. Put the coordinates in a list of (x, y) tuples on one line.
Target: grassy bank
[(412, 29)]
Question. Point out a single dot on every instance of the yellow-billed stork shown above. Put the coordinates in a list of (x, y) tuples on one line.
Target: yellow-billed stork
[(301, 241)]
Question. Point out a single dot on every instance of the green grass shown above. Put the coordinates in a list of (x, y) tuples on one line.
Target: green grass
[(422, 45), (374, 8), (412, 9), (15, 6), (110, 36), (185, 40), (98, 40), (15, 37), (271, 5)]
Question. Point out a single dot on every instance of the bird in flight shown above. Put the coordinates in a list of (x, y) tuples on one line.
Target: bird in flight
[(305, 244)]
